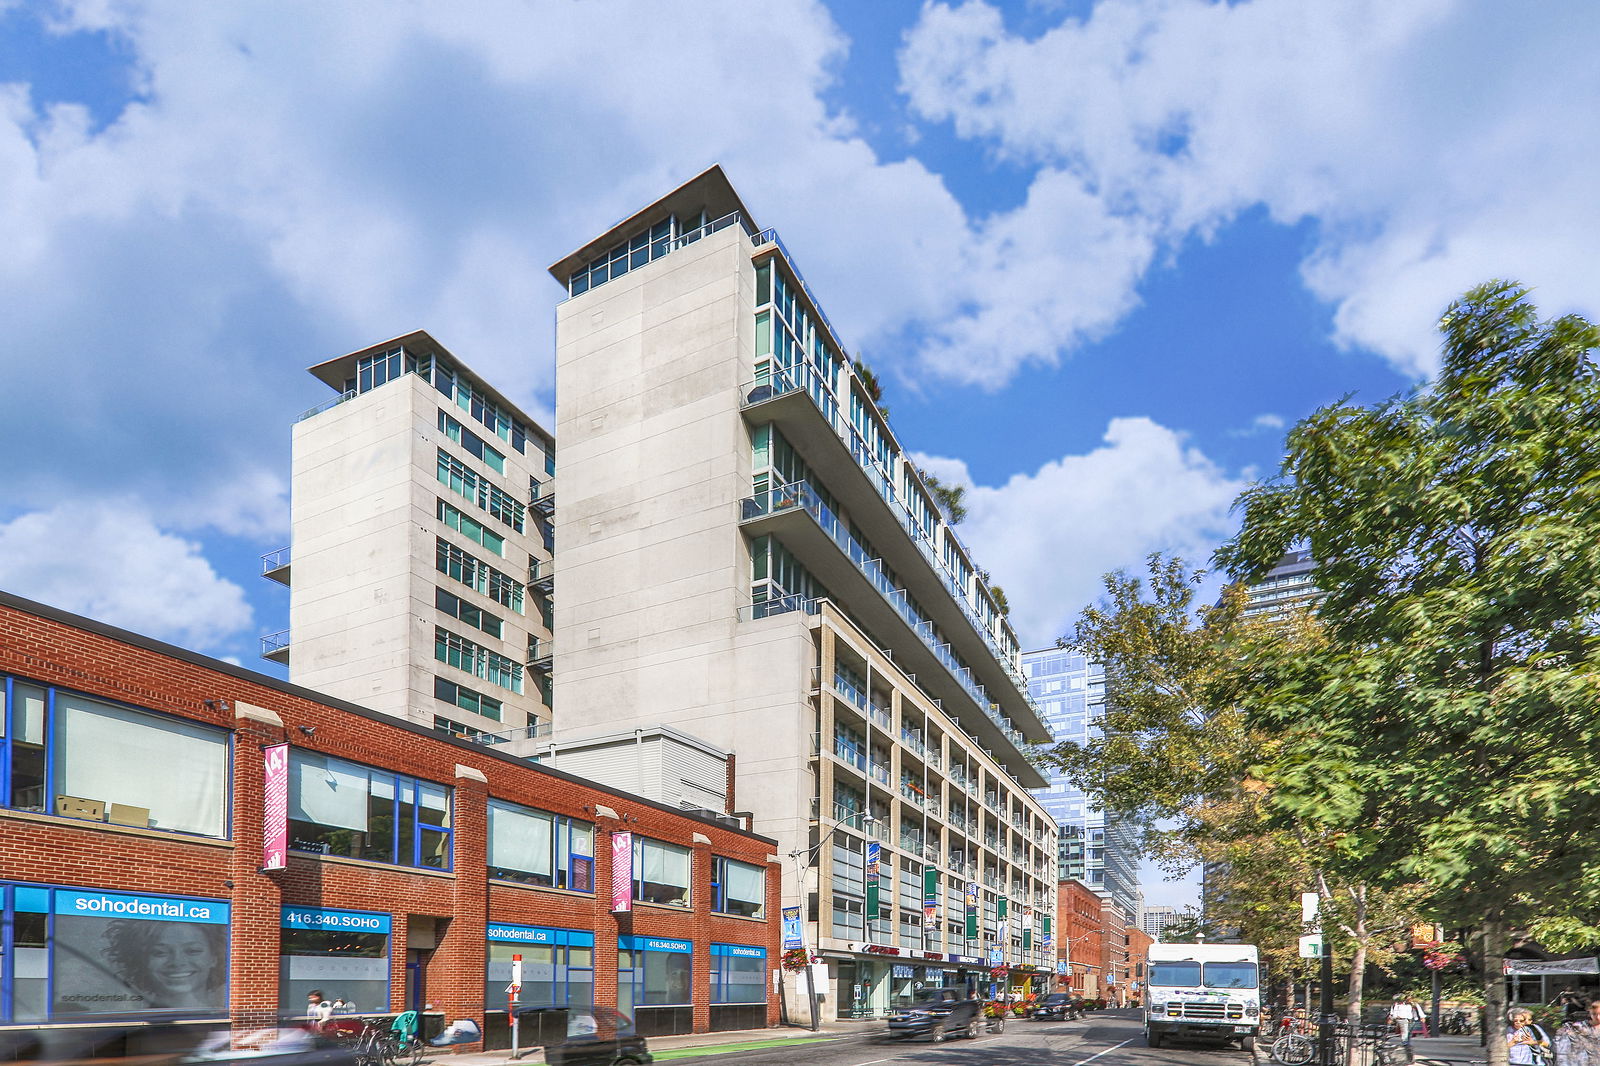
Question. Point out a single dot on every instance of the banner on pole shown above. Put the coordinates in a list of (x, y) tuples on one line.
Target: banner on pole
[(621, 873), (275, 808), (793, 937)]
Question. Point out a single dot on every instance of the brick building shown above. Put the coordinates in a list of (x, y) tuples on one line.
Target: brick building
[(1082, 942), (1115, 953), (133, 823), (1139, 943)]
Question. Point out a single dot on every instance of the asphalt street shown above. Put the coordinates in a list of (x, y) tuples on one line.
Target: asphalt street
[(1107, 1038)]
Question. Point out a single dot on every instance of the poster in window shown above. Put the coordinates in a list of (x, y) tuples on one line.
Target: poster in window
[(120, 954)]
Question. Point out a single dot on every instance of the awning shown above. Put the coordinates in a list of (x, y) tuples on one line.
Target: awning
[(1535, 967)]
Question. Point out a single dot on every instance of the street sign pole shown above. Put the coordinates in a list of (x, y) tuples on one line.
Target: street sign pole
[(513, 993)]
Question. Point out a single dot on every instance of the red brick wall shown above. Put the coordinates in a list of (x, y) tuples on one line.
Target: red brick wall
[(82, 656), (1083, 939)]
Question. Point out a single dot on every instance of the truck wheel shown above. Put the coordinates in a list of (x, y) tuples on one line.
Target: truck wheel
[(1152, 1039), (1249, 1044)]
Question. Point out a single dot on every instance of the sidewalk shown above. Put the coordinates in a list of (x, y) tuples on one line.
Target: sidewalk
[(1448, 1050), (671, 1047)]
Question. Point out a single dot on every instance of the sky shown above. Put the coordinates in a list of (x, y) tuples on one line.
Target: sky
[(1102, 254)]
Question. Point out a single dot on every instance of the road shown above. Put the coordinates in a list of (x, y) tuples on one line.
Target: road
[(1105, 1038)]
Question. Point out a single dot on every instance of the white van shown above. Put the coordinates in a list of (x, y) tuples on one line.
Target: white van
[(1207, 991)]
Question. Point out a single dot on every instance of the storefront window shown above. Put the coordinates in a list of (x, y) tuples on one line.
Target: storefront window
[(656, 970), (557, 965), (740, 888), (661, 873), (342, 954), (738, 974), (538, 848), (79, 954), (343, 808), (67, 754)]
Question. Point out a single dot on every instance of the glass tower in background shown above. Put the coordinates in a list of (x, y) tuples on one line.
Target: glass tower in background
[(1070, 693)]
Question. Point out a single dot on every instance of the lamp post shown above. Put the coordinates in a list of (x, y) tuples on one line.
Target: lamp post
[(802, 861)]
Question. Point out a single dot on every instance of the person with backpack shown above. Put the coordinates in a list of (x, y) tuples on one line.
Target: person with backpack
[(1526, 1043)]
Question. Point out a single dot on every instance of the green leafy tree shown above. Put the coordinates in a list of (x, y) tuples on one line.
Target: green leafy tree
[(948, 497), (1445, 737)]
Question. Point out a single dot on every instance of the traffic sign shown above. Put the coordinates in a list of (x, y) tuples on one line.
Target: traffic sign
[(513, 990), (1311, 946)]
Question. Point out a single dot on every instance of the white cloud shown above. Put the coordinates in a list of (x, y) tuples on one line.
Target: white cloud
[(1428, 140), (1048, 537), (108, 561)]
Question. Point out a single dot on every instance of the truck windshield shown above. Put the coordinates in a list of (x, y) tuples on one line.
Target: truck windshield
[(1230, 975), (1175, 974)]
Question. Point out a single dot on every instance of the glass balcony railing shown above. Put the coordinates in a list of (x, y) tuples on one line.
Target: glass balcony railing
[(880, 772), (274, 560), (853, 756)]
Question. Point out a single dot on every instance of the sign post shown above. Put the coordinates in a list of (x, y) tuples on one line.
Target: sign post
[(514, 993)]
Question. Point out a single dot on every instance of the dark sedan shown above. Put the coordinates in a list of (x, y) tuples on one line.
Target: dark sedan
[(937, 1013), (1057, 1005)]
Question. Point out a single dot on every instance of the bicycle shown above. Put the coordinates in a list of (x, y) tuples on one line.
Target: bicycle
[(373, 1044)]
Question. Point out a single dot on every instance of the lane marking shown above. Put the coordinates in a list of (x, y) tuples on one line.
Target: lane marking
[(1107, 1051)]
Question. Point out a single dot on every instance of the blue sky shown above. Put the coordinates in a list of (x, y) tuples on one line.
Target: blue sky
[(1100, 253)]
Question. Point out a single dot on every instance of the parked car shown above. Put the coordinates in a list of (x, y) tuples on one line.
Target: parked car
[(938, 1013), (582, 1036), (1056, 1005)]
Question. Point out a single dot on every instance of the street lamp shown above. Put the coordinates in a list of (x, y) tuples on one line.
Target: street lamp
[(802, 862)]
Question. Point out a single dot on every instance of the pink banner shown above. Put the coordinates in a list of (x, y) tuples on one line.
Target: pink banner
[(621, 872), (275, 808)]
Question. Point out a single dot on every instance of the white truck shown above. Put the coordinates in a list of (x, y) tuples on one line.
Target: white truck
[(1205, 991)]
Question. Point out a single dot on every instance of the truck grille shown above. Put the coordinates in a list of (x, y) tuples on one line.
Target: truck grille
[(1205, 1010)]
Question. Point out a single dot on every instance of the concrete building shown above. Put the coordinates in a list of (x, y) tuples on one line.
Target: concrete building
[(419, 570), (1155, 919), (1290, 585), (1070, 692), (749, 556)]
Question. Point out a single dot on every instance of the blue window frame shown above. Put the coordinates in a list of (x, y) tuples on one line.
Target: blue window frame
[(738, 973), (557, 965), (348, 950), (344, 808), (81, 757), (72, 954), (653, 972)]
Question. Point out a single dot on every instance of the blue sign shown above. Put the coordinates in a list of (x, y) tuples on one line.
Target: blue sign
[(340, 921), (792, 935), (651, 943), (739, 950), (534, 934), (1063, 968), (147, 908), (996, 956)]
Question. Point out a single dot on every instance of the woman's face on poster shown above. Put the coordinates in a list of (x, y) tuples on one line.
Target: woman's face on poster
[(180, 960)]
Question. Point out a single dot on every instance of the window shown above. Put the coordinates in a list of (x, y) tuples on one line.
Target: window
[(456, 607), (453, 473), (75, 954), (653, 971), (557, 964), (375, 370), (475, 659), (84, 758), (738, 974), (661, 872), (349, 949), (466, 699), (643, 247), (472, 443), (478, 575), (343, 808), (738, 888), (471, 529), (539, 848)]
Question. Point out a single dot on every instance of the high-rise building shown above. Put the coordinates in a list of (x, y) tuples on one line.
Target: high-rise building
[(1290, 585), (420, 577), (748, 555), (1155, 919), (1070, 692)]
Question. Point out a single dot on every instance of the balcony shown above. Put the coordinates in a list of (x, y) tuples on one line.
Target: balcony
[(912, 794), (850, 755), (880, 716), (542, 575), (275, 647), (540, 654), (543, 499), (802, 404), (880, 771), (811, 530), (275, 566), (849, 691)]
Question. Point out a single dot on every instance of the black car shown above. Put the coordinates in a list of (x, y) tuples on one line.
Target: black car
[(939, 1013), (582, 1036), (1062, 1005)]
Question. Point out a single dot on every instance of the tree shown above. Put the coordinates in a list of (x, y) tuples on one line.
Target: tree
[(948, 497), (874, 387), (1446, 735)]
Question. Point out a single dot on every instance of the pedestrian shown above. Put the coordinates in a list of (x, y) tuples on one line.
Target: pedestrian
[(318, 1010), (1573, 1006), (1526, 1043), (1405, 1014), (1578, 1042)]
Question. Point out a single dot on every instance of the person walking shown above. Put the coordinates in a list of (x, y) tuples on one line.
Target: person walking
[(1526, 1043), (1405, 1014), (1578, 1042)]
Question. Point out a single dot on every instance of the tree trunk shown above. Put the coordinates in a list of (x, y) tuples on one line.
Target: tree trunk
[(1493, 950), (1358, 975)]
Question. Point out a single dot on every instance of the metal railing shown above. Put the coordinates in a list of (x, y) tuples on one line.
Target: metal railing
[(274, 560), (780, 605), (506, 736), (330, 404)]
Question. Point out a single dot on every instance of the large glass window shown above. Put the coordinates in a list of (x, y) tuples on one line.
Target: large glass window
[(470, 613), (539, 848), (338, 953), (661, 873), (77, 955), (68, 754), (475, 659), (472, 443), (738, 974), (471, 528), (455, 474), (739, 888), (557, 965), (343, 808), (466, 698), (656, 971), (478, 575)]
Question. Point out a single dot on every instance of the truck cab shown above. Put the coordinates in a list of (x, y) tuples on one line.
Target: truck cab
[(1203, 991)]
